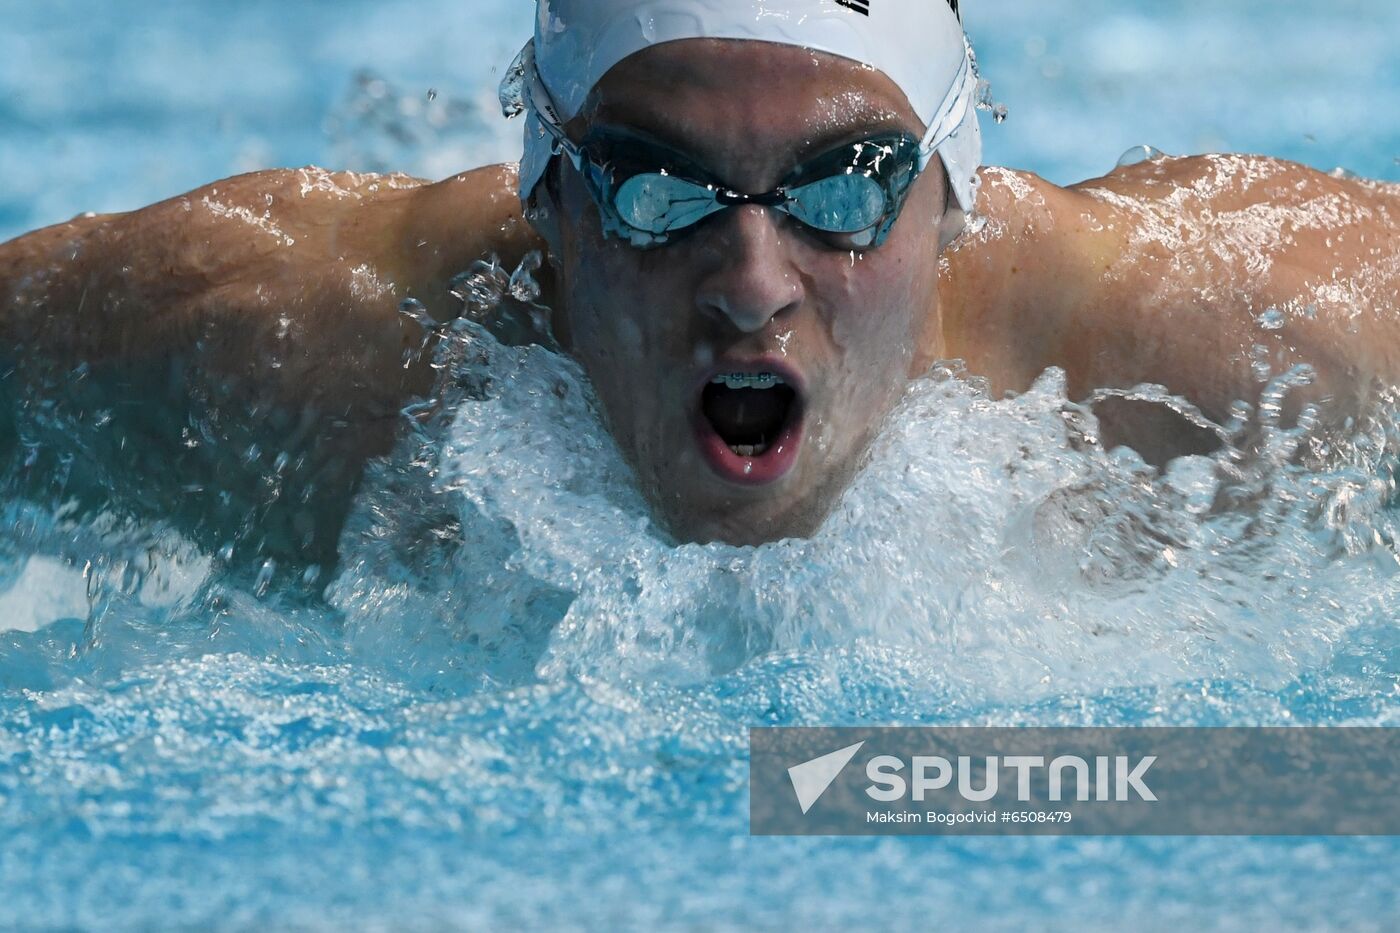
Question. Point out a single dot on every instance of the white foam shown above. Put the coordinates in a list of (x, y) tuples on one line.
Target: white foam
[(985, 536)]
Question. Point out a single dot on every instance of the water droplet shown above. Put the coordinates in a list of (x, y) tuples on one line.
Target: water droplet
[(512, 90), (523, 286), (265, 575), (1271, 319), (481, 287), (987, 103), (417, 312), (984, 95), (1140, 154), (1259, 363)]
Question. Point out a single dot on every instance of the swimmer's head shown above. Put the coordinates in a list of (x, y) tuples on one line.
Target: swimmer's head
[(918, 44), (745, 361)]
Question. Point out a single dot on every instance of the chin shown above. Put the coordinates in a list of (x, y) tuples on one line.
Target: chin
[(738, 533), (739, 523)]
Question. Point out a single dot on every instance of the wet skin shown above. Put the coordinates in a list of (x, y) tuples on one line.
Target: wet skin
[(281, 289), (748, 287)]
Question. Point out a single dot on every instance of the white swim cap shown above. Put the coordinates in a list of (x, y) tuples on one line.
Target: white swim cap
[(919, 44)]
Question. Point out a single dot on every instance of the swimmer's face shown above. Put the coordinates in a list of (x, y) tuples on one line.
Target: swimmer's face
[(749, 291)]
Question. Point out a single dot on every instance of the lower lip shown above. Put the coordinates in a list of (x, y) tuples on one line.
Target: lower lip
[(769, 467)]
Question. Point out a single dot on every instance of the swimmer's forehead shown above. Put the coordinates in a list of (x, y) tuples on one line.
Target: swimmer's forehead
[(703, 95)]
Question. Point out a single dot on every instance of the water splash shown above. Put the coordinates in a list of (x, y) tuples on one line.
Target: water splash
[(514, 666), (253, 762), (507, 303), (994, 538)]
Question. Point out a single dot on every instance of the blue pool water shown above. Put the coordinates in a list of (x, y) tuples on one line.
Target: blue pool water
[(539, 719)]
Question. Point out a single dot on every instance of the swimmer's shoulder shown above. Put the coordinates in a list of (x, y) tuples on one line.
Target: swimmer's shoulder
[(267, 305), (1009, 282), (305, 237), (1234, 178), (414, 234), (1159, 272), (1197, 187)]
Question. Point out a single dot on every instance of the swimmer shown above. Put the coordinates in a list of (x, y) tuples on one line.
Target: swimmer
[(759, 223)]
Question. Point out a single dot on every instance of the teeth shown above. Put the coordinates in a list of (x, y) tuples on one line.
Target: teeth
[(749, 450), (748, 380)]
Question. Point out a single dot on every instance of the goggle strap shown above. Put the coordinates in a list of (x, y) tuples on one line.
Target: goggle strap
[(951, 112), (541, 103)]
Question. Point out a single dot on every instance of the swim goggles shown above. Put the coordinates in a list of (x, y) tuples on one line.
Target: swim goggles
[(649, 194)]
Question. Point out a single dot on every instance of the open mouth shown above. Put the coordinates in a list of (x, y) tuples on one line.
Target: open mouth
[(749, 424), (748, 411)]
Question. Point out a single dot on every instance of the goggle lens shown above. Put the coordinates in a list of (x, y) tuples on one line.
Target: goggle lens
[(839, 204), (853, 193), (659, 204)]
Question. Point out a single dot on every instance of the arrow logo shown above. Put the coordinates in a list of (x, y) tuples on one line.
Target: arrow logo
[(811, 778)]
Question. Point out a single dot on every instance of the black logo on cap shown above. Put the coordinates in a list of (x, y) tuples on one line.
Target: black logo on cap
[(863, 6)]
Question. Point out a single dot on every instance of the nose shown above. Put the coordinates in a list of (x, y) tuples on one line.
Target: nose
[(753, 279)]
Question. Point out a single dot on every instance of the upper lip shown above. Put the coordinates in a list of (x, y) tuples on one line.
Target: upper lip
[(767, 363)]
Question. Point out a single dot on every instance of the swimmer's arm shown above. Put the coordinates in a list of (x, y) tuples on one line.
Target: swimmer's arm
[(1162, 273), (270, 299), (303, 267)]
